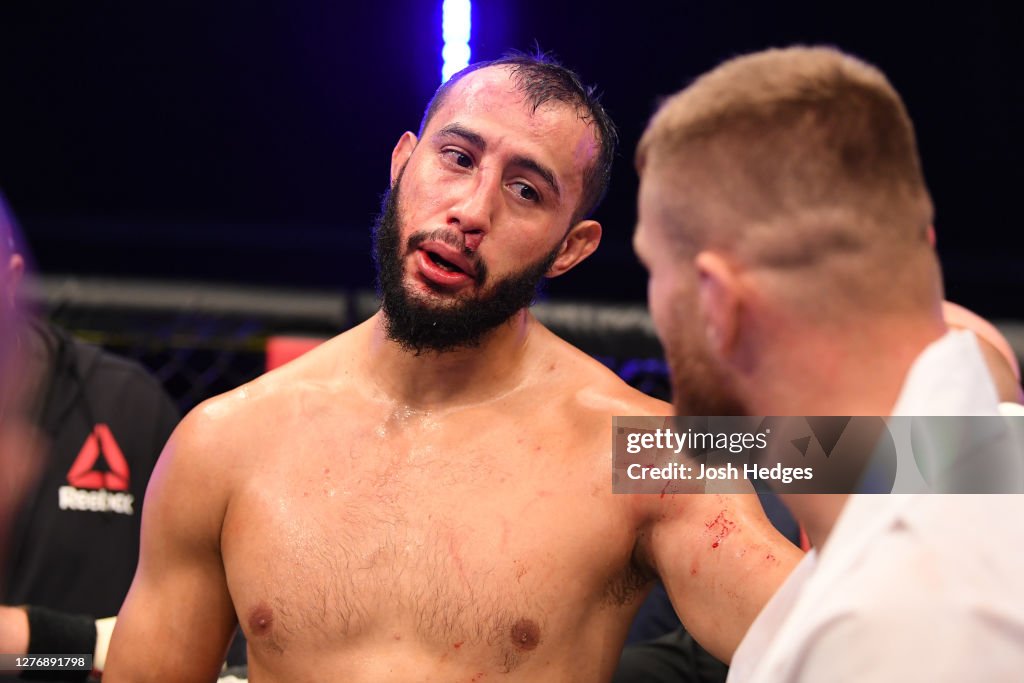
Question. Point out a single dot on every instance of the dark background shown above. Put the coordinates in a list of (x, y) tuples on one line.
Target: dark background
[(250, 142)]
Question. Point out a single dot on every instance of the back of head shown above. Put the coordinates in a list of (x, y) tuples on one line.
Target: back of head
[(801, 163)]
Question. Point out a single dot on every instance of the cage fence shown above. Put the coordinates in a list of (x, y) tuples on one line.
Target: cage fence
[(202, 339)]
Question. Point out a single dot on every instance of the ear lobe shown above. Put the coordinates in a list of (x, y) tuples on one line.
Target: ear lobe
[(720, 298), (579, 243), (401, 153)]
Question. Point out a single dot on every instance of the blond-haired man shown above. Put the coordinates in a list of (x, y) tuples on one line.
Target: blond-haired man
[(784, 219)]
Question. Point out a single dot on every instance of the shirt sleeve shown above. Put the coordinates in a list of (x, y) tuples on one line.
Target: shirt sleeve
[(903, 641)]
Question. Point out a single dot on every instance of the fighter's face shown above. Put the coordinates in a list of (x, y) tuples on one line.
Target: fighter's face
[(485, 208), (700, 379), (421, 323)]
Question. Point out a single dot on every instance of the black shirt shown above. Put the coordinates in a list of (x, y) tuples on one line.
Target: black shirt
[(75, 543)]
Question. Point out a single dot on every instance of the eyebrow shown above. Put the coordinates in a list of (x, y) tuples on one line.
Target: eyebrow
[(542, 171), (456, 130)]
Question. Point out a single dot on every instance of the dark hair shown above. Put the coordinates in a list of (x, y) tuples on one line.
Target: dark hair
[(542, 79)]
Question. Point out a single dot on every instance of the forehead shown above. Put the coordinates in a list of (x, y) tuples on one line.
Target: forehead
[(664, 205), (654, 198), (489, 102), (688, 190)]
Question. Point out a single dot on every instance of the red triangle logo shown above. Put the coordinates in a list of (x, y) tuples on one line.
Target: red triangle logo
[(83, 476)]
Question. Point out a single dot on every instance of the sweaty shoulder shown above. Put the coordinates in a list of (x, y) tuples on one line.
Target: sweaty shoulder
[(592, 387), (239, 423)]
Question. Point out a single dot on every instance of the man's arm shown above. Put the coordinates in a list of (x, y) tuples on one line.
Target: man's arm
[(35, 630), (720, 560), (178, 618), (13, 630)]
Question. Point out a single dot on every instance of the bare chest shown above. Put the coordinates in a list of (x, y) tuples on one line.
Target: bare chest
[(451, 538)]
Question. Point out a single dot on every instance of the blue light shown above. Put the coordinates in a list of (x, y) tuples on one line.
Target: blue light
[(455, 30)]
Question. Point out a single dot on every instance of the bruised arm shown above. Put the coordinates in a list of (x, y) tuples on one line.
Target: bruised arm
[(178, 619), (720, 560)]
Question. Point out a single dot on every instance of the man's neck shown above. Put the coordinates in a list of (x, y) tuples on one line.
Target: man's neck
[(430, 379), (851, 372)]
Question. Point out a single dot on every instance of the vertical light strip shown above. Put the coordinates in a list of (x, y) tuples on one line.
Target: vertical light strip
[(455, 31)]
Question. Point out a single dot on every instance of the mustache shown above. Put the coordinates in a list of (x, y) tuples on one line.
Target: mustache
[(439, 235)]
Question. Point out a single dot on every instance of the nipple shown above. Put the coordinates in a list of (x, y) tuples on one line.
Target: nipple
[(525, 634)]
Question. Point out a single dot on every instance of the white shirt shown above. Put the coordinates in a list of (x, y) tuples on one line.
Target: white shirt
[(908, 587)]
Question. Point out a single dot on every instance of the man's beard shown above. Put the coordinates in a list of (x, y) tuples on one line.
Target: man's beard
[(700, 385), (418, 324)]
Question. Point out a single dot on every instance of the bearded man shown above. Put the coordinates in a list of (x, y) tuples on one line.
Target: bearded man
[(428, 495)]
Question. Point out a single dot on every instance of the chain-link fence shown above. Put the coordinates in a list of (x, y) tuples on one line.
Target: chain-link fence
[(201, 339)]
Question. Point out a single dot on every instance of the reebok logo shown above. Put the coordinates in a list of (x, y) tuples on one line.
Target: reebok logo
[(96, 490), (70, 498)]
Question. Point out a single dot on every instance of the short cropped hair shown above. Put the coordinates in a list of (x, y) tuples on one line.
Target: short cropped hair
[(799, 135), (542, 80)]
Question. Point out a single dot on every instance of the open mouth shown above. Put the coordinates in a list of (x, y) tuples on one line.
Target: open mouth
[(453, 271), (446, 265)]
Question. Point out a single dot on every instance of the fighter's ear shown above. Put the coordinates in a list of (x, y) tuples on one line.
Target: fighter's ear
[(720, 299), (579, 243), (401, 153)]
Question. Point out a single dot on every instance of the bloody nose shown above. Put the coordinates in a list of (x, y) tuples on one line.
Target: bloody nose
[(473, 240)]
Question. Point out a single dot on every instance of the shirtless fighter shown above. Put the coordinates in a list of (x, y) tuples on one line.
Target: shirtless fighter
[(427, 497)]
